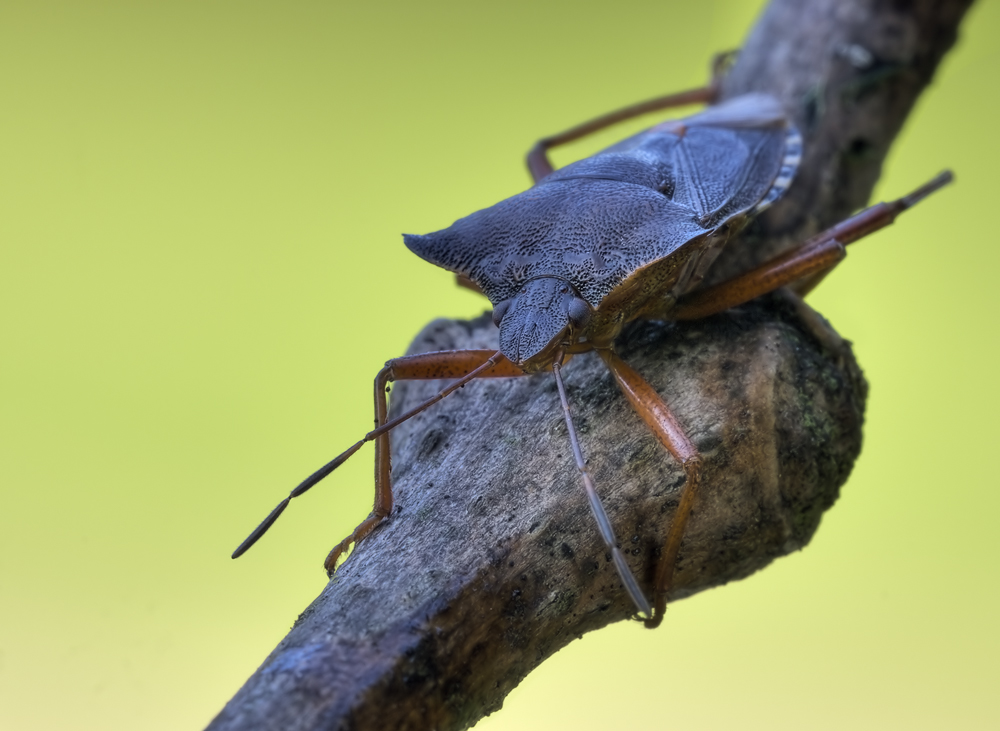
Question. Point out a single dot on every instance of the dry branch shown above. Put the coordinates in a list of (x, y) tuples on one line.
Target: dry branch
[(491, 561)]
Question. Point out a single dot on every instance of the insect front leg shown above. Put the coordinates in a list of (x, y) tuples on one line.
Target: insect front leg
[(459, 364), (657, 416)]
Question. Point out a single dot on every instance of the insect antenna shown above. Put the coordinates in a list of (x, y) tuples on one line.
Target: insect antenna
[(942, 179), (333, 464), (603, 522)]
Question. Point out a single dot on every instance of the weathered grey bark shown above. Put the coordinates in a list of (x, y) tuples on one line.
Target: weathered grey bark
[(491, 561), (849, 72)]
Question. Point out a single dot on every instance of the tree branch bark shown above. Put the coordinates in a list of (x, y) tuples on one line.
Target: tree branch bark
[(491, 562)]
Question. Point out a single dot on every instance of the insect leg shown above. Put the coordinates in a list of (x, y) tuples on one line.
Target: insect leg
[(804, 262), (656, 415), (459, 364), (804, 266), (538, 160)]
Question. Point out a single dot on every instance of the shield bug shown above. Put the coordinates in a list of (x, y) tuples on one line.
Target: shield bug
[(625, 234)]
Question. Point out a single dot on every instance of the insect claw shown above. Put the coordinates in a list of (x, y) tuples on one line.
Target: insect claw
[(653, 620)]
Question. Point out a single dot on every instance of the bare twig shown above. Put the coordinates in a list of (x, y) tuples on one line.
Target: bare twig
[(491, 561)]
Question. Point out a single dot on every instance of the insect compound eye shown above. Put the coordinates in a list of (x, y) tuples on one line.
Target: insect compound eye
[(579, 313), (499, 311)]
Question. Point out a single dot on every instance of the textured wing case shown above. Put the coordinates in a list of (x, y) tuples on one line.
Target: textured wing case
[(598, 220)]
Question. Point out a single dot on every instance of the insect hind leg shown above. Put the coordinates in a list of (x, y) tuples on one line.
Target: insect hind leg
[(804, 267)]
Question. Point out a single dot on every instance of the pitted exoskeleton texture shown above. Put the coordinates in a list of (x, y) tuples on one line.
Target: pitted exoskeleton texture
[(543, 309), (598, 221)]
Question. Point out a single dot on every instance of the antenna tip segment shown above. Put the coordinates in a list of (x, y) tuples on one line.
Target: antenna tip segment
[(941, 180), (261, 529)]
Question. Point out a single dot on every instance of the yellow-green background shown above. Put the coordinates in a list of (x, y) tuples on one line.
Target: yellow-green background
[(201, 270)]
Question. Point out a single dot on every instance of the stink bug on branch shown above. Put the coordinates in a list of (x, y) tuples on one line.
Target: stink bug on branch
[(626, 234)]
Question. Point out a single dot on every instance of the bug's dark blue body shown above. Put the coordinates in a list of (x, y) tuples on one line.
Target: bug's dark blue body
[(625, 234), (628, 229)]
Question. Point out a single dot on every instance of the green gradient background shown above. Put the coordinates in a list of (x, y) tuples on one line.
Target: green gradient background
[(201, 270)]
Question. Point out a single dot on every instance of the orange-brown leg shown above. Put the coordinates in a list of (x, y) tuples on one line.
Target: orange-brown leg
[(538, 161), (805, 266), (424, 366), (793, 266), (656, 415), (463, 365)]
